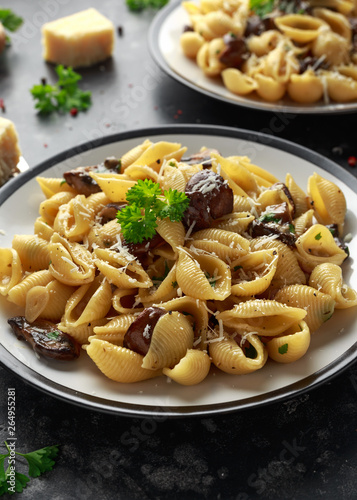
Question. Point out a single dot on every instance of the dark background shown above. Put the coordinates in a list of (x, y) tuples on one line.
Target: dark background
[(302, 448)]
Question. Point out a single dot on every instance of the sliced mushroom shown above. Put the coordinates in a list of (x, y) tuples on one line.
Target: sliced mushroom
[(45, 338), (109, 212), (203, 157), (80, 180), (138, 336), (210, 198), (141, 250), (236, 51)]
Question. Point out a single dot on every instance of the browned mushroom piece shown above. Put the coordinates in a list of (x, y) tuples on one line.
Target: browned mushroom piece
[(275, 220), (353, 24), (333, 228), (45, 338), (203, 157), (80, 180), (141, 250), (235, 52), (139, 333), (210, 198), (109, 212), (283, 187)]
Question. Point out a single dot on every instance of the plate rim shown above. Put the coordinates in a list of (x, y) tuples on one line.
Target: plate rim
[(153, 43), (38, 381)]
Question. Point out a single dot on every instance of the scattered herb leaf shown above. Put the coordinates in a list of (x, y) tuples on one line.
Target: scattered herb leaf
[(137, 5), (64, 95), (318, 236), (269, 217), (10, 21), (53, 335), (283, 349), (251, 352), (261, 7)]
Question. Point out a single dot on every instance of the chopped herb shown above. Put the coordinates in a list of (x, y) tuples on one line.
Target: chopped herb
[(283, 349), (292, 228), (146, 204), (63, 182), (318, 236), (261, 7), (174, 284), (212, 279), (64, 96), (53, 335), (10, 21), (137, 5), (251, 352), (269, 217), (161, 278), (235, 268)]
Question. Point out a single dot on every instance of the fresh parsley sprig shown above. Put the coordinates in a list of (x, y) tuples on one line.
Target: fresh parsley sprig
[(261, 7), (10, 21), (137, 5), (39, 462), (64, 96), (146, 204)]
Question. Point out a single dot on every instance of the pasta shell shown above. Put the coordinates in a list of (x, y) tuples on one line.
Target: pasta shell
[(51, 186), (191, 369), (269, 88), (265, 317), (300, 27), (229, 357), (83, 332), (119, 271), (133, 154), (190, 43), (18, 293), (117, 363), (49, 208), (47, 302), (306, 88), (192, 280), (253, 273), (71, 263), (172, 232), (123, 300), (42, 229), (235, 222), (115, 186), (225, 244), (10, 269), (318, 306), (317, 245), (304, 222), (301, 201), (237, 82), (327, 278), (114, 330), (329, 202), (162, 291), (32, 251), (172, 336), (291, 345)]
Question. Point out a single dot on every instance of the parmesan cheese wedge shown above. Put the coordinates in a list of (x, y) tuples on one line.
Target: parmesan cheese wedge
[(82, 39), (9, 150)]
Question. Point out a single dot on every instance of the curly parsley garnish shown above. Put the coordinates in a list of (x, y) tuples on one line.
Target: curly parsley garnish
[(261, 7), (137, 5), (146, 204), (64, 96), (10, 21)]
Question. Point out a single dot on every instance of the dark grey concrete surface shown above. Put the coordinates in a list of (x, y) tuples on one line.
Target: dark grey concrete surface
[(301, 449)]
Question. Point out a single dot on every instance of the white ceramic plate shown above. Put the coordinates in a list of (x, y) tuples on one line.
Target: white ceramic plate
[(164, 43), (333, 347)]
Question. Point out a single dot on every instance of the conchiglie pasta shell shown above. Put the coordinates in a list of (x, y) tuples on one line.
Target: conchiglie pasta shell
[(193, 281), (301, 201), (119, 271), (18, 293), (74, 219), (172, 232), (49, 208), (190, 43), (51, 186), (343, 6), (295, 343), (114, 330), (237, 222), (197, 309), (10, 269), (306, 88), (237, 82), (32, 251), (288, 270), (329, 202), (318, 306), (133, 154), (157, 152), (71, 263), (42, 229), (300, 27), (232, 245), (317, 245), (337, 22), (117, 363), (105, 236), (125, 295), (229, 357), (172, 336), (261, 45), (48, 301), (269, 88), (173, 178), (142, 172), (191, 369), (162, 293), (235, 168), (265, 317), (255, 272), (83, 332), (304, 222), (327, 278), (88, 303), (341, 88), (115, 186)]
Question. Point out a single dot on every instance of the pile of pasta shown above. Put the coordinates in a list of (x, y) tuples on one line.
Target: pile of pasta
[(306, 50), (232, 300)]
